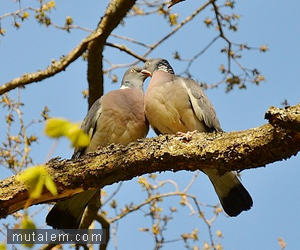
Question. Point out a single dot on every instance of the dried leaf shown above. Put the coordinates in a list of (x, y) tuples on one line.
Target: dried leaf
[(173, 2)]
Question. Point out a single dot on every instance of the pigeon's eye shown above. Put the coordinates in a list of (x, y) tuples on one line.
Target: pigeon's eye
[(132, 71)]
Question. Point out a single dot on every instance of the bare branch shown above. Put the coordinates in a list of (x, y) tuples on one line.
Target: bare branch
[(178, 27), (156, 44), (126, 50), (191, 182), (222, 34), (148, 201), (191, 61), (106, 226), (130, 40), (114, 14), (54, 68)]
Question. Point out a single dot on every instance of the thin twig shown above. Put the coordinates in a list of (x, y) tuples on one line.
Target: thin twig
[(191, 61), (156, 44), (113, 194), (130, 40), (178, 27), (149, 200), (125, 49)]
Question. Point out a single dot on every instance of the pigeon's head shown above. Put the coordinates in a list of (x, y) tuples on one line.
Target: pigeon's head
[(133, 78), (156, 64)]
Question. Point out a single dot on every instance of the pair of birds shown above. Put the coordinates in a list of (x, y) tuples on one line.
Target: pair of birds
[(171, 104)]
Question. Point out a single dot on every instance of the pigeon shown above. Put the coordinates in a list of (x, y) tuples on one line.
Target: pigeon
[(175, 104), (117, 117)]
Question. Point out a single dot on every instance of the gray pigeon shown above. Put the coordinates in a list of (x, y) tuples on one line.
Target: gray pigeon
[(117, 117), (176, 104)]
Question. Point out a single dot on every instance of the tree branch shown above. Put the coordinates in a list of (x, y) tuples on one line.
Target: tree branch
[(126, 50), (178, 27), (287, 118), (150, 48), (115, 12), (54, 68), (222, 151)]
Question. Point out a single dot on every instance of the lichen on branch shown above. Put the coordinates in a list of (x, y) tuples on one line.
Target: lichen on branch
[(240, 150)]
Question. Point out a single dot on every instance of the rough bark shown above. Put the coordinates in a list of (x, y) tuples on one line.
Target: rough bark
[(223, 151)]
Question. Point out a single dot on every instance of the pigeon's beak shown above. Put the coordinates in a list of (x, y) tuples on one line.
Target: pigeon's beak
[(146, 72)]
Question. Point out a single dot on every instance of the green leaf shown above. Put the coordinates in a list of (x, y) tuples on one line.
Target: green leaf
[(77, 136), (2, 246), (50, 185), (56, 127), (27, 223), (35, 178)]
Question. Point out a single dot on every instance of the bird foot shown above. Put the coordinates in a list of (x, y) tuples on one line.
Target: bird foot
[(187, 136)]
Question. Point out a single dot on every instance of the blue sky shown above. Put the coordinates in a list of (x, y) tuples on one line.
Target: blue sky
[(274, 188)]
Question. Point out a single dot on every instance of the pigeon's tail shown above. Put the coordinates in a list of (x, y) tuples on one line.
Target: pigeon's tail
[(232, 194), (67, 214)]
